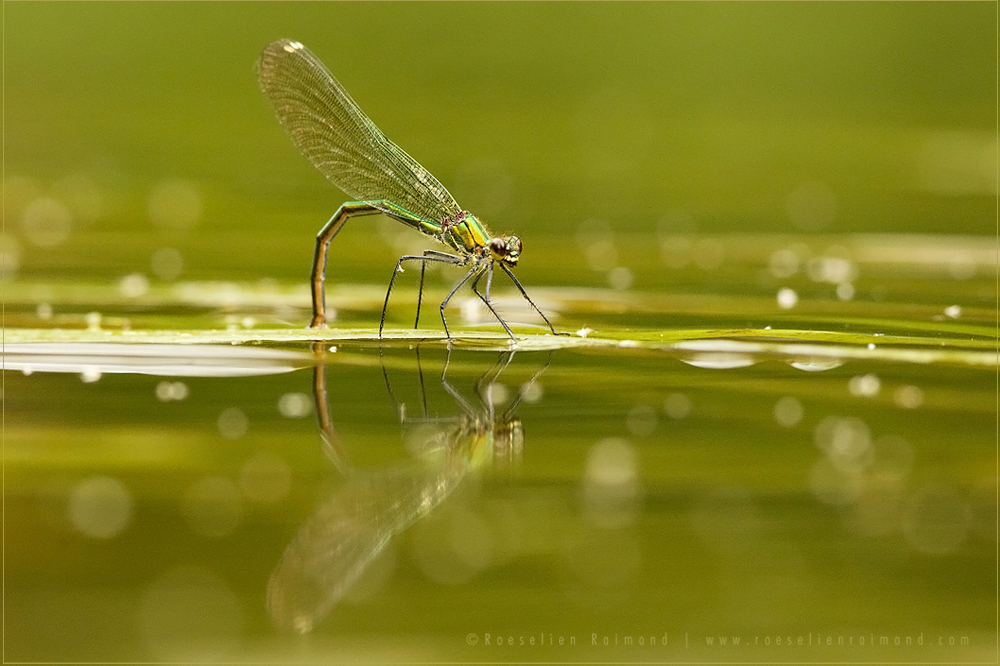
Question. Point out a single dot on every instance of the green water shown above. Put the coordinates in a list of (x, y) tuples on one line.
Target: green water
[(829, 475), (771, 436)]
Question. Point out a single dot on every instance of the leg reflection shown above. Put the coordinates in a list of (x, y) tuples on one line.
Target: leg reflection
[(353, 526)]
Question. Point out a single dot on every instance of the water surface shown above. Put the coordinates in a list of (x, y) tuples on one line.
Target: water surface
[(771, 436), (831, 474)]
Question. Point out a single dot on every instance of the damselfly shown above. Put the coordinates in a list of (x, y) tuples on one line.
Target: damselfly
[(346, 146)]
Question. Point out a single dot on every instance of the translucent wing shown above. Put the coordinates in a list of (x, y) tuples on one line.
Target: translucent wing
[(345, 535), (340, 140)]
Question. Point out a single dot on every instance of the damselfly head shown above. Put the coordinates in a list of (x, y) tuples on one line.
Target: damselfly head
[(507, 250)]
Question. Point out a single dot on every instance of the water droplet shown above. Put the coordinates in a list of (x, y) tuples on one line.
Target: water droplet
[(675, 251), (641, 420), (233, 423), (788, 411), (867, 386), (620, 278), (719, 361), (787, 298), (846, 441), (611, 483), (167, 263), (295, 405), (532, 392), (100, 507), (597, 241), (90, 374), (908, 396), (784, 263), (677, 405), (497, 394), (46, 222), (832, 269), (10, 257), (133, 285), (167, 391), (816, 364)]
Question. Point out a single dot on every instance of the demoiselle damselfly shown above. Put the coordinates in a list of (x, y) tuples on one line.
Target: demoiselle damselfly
[(346, 146)]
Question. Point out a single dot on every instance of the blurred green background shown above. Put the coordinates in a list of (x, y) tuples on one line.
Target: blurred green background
[(700, 159), (144, 124)]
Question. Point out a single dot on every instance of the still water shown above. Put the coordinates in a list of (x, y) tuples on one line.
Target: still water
[(721, 489), (770, 229)]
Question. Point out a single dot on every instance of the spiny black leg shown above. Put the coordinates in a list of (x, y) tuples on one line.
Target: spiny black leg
[(444, 303), (486, 300), (423, 269), (528, 298), (420, 293), (438, 256), (396, 271)]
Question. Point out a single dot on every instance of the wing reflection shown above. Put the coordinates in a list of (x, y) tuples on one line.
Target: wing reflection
[(349, 529)]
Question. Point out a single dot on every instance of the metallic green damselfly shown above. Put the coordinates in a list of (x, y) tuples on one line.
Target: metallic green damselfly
[(346, 146)]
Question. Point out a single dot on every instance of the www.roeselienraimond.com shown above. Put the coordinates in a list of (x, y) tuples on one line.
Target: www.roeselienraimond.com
[(841, 640), (687, 640)]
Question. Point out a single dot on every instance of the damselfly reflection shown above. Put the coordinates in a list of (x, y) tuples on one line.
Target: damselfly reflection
[(353, 526), (335, 135)]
